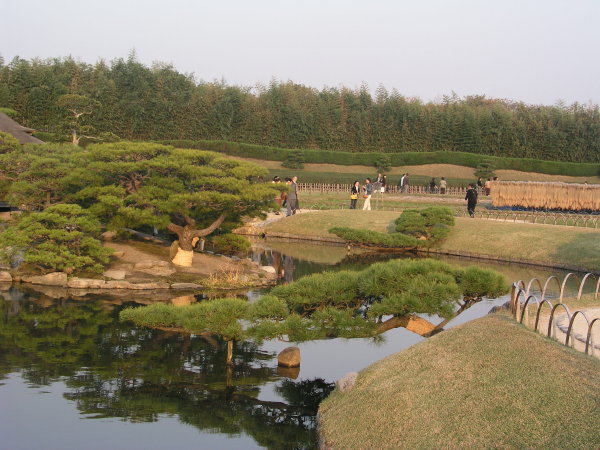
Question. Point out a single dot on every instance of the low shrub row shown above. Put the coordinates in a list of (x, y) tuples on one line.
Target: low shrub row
[(370, 238), (397, 159)]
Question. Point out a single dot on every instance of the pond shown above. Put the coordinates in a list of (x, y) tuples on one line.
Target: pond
[(72, 376)]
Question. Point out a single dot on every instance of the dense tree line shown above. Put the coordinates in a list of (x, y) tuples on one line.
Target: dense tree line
[(152, 103)]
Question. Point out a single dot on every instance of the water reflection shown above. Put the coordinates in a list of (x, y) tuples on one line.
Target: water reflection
[(112, 370), (71, 340)]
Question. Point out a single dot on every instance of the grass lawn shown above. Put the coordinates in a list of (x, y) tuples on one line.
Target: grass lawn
[(489, 383), (569, 246)]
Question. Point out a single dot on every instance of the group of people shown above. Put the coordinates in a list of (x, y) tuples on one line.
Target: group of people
[(367, 192), (289, 200)]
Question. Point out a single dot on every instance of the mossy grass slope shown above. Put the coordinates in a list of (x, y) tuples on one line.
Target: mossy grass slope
[(488, 383)]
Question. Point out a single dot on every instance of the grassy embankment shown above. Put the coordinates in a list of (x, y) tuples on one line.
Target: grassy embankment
[(556, 245), (489, 383), (419, 175)]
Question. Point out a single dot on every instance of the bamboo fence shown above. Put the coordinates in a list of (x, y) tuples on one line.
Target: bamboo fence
[(539, 195)]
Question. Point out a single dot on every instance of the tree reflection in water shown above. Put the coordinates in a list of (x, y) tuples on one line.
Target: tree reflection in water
[(114, 370)]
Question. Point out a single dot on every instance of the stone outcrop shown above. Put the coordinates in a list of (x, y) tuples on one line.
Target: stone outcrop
[(289, 357), (347, 382), (86, 283), (50, 279), (5, 277), (115, 274), (268, 269)]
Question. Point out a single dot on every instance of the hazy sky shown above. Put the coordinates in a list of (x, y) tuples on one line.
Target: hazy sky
[(534, 51)]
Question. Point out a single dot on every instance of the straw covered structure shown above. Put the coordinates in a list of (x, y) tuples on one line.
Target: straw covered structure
[(533, 194)]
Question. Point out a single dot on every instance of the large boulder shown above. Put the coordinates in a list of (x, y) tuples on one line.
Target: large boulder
[(289, 357), (50, 279), (115, 274), (5, 277)]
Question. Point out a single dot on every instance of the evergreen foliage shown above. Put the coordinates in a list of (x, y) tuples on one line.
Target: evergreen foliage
[(230, 244), (150, 103), (61, 238), (334, 304), (414, 228), (294, 160), (129, 184), (429, 225), (369, 238), (398, 159), (485, 170), (383, 163)]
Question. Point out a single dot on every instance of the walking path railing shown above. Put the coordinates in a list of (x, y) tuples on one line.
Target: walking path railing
[(522, 298), (548, 218), (342, 187)]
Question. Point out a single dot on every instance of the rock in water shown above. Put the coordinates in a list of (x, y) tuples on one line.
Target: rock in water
[(346, 383), (5, 277), (289, 357)]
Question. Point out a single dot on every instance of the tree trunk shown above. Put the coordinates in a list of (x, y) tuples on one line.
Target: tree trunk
[(188, 236), (230, 352), (415, 324)]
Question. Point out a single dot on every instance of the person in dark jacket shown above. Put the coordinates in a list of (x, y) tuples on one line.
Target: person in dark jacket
[(471, 199), (354, 192)]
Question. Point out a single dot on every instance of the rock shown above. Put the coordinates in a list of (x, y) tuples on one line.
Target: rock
[(5, 277), (269, 269), (288, 372), (85, 283), (145, 264), (184, 300), (346, 383), (289, 357), (50, 279), (117, 285), (162, 264), (185, 286), (158, 271), (500, 308), (115, 274), (118, 254), (108, 235)]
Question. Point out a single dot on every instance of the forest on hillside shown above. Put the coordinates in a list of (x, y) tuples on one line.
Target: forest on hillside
[(138, 102)]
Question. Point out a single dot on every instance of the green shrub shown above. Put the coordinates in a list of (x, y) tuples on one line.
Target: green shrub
[(375, 238), (63, 237), (294, 160), (397, 159), (9, 112), (8, 143), (429, 225), (231, 244)]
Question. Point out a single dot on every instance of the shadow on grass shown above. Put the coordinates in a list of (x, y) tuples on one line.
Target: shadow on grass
[(582, 251)]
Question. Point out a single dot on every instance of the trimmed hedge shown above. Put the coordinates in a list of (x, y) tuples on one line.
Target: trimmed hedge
[(398, 159), (375, 238)]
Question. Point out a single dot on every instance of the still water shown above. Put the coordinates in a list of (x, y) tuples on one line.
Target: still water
[(72, 376)]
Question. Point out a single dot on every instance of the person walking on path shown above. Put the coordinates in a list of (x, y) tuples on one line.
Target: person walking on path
[(368, 187), (292, 198), (487, 187), (401, 183), (383, 184), (406, 183), (471, 199), (432, 186), (354, 191), (443, 185)]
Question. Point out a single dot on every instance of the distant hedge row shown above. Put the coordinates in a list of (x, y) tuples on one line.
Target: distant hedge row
[(398, 159)]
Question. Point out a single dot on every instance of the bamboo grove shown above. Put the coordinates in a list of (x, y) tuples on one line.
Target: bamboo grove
[(153, 103)]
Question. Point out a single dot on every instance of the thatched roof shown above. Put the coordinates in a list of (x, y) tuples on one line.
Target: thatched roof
[(23, 134)]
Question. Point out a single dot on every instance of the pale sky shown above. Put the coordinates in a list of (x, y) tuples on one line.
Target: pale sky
[(536, 51)]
